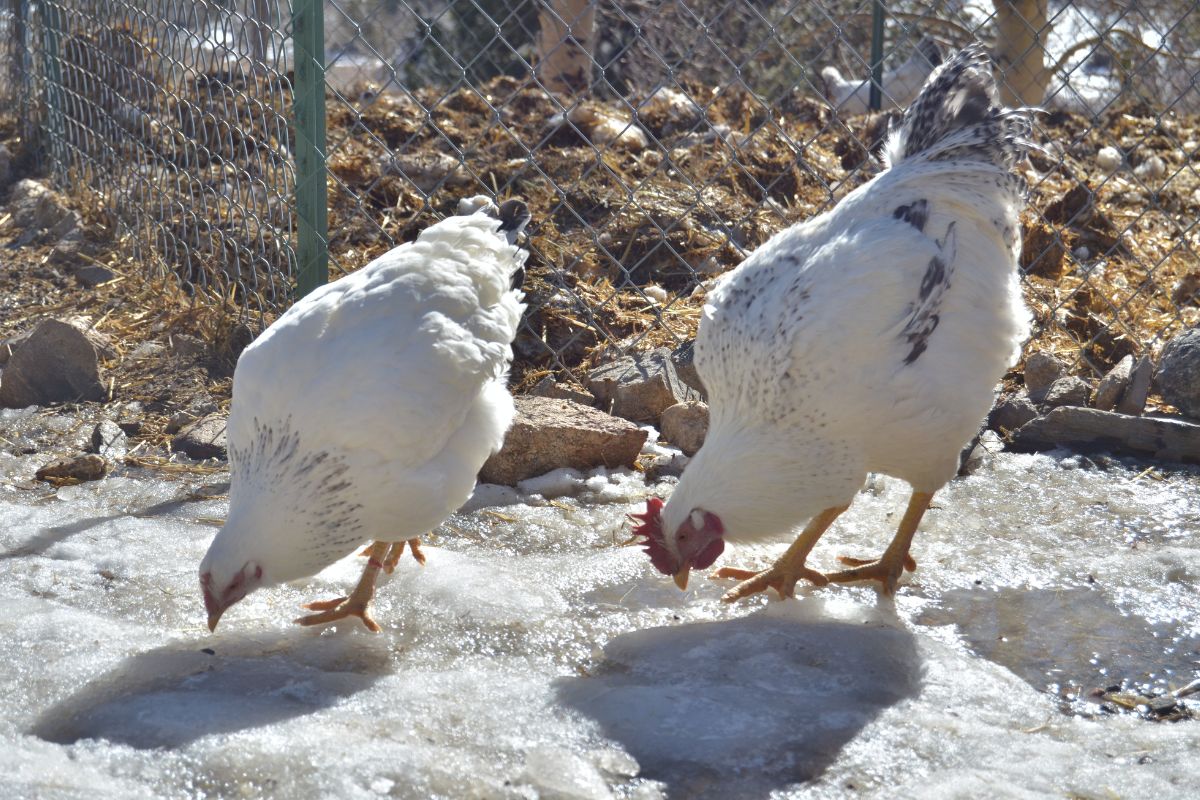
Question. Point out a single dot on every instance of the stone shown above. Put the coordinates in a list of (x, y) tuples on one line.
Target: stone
[(685, 425), (38, 212), (184, 417), (204, 438), (549, 433), (109, 440), (639, 387), (1011, 412), (1113, 385), (1068, 391), (1041, 370), (683, 357), (187, 346), (6, 171), (1178, 377), (76, 469), (982, 450), (93, 275), (549, 387), (1134, 399), (1164, 438), (56, 363)]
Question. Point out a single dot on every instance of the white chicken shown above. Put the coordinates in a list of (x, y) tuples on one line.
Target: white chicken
[(366, 410), (900, 85), (867, 339)]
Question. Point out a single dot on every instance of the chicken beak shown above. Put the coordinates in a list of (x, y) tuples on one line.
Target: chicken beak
[(681, 578), (213, 619)]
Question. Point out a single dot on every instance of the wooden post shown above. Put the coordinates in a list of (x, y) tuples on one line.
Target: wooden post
[(1020, 52), (565, 44)]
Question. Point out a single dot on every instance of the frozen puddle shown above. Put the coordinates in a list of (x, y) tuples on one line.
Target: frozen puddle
[(533, 659)]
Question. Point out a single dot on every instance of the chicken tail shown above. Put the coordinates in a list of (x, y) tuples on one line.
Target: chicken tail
[(958, 117)]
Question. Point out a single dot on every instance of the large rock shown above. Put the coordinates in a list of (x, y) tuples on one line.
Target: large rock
[(204, 438), (1112, 387), (551, 433), (1041, 371), (1089, 429), (1179, 372), (549, 387), (639, 387), (1011, 412), (685, 425), (56, 363), (1134, 400), (1068, 391), (684, 359)]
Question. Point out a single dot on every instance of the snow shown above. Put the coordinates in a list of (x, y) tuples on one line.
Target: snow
[(533, 657)]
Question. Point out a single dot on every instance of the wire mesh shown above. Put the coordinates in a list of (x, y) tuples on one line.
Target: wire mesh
[(693, 130), (174, 117)]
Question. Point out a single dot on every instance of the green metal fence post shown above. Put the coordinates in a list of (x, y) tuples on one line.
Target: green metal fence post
[(308, 104), (876, 98)]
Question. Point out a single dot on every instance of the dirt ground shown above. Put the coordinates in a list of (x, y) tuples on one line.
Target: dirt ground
[(671, 202)]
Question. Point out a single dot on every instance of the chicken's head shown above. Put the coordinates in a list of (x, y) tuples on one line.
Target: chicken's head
[(695, 542), (222, 591)]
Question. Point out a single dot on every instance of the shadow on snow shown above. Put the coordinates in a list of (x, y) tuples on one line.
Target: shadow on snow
[(742, 707)]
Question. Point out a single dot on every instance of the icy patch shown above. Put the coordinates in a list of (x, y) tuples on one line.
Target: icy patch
[(535, 657)]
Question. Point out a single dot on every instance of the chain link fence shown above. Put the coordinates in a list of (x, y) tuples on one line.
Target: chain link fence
[(657, 143)]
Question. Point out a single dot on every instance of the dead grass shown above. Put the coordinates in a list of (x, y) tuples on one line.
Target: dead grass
[(1108, 259)]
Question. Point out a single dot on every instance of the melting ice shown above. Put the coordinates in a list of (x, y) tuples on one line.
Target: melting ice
[(535, 658)]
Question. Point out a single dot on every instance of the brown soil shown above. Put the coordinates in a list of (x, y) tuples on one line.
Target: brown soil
[(616, 216)]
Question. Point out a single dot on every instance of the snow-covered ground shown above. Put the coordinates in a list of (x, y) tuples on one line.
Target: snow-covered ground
[(533, 657)]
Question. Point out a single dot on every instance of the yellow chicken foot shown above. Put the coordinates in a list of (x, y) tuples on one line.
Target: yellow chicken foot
[(359, 602), (789, 569), (396, 552), (888, 568)]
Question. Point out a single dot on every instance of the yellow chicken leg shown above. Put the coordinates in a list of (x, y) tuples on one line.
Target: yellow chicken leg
[(359, 601), (888, 568), (790, 568)]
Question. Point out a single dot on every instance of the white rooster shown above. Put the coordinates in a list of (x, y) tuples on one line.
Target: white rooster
[(366, 410), (869, 338), (900, 85)]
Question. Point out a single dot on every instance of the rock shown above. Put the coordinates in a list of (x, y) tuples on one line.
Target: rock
[(1086, 428), (683, 357), (1011, 412), (549, 387), (1134, 399), (1108, 159), (56, 363), (639, 387), (204, 438), (92, 275), (549, 433), (76, 469), (5, 167), (187, 346), (8, 346), (1068, 391), (986, 445), (1112, 387), (181, 419), (1041, 370), (109, 440), (38, 212), (685, 425), (1178, 377)]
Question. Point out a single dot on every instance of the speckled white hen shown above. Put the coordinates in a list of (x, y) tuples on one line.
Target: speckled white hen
[(868, 339), (366, 410)]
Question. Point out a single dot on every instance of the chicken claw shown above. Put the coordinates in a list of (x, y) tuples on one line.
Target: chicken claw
[(782, 578), (340, 608)]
